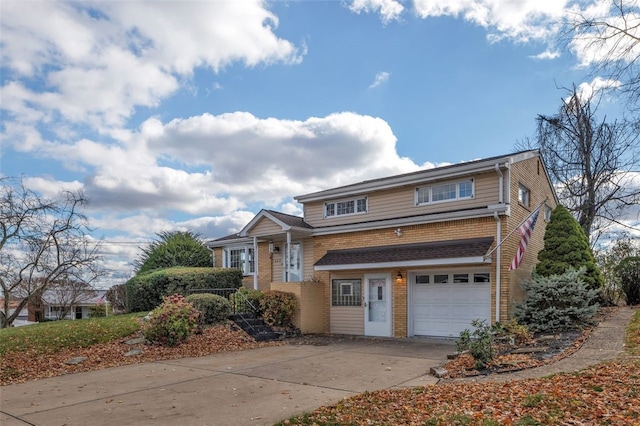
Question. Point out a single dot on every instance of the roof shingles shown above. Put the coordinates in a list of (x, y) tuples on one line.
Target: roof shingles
[(472, 247)]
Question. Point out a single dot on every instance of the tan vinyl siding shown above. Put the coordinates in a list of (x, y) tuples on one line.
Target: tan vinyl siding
[(265, 227), (347, 320), (400, 202), (307, 259)]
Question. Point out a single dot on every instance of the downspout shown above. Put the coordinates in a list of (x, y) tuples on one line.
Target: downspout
[(500, 184), (499, 238), (498, 264), (255, 262)]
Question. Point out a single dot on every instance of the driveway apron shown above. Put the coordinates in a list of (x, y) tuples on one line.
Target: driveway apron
[(253, 387)]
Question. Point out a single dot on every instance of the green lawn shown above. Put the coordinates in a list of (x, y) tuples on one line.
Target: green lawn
[(633, 335), (53, 336)]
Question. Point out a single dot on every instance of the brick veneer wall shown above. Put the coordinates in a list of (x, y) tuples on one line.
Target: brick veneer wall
[(449, 230), (533, 175), (309, 313)]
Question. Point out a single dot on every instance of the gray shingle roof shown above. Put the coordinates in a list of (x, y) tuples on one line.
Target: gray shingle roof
[(471, 247), (290, 220)]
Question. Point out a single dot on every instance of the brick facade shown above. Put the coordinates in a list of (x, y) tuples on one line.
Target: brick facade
[(466, 223)]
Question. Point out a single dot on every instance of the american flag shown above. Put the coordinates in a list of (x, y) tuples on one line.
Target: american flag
[(525, 231)]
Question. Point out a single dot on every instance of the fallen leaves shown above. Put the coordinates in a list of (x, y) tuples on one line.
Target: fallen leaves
[(608, 393), (18, 367)]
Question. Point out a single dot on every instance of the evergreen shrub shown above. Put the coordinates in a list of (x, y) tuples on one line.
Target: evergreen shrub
[(629, 272), (246, 300), (213, 308), (557, 302), (566, 246), (145, 291)]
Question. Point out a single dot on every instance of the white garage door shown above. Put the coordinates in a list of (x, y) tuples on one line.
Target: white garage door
[(445, 303)]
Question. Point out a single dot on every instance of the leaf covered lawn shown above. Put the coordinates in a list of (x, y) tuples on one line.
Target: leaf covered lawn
[(606, 394), (31, 364)]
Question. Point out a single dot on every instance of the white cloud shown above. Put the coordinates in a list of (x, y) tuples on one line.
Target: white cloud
[(99, 61), (219, 164), (380, 78), (547, 54), (520, 21), (600, 43), (587, 90), (389, 10)]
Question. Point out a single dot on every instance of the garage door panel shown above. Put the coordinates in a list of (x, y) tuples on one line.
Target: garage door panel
[(445, 310)]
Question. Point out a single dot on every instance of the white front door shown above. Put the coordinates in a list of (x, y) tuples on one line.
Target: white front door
[(293, 263), (377, 310)]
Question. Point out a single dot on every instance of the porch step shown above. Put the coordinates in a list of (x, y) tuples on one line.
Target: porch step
[(255, 327)]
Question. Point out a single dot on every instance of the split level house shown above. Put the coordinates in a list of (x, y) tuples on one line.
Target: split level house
[(416, 254)]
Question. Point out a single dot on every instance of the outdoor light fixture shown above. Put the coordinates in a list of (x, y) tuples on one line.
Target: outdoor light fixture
[(399, 276)]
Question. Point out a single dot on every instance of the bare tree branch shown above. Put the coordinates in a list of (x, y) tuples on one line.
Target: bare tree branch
[(589, 160), (41, 241)]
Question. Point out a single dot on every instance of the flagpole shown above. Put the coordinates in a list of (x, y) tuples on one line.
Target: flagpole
[(515, 229)]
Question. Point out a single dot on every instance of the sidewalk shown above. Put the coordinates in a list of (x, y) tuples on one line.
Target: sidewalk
[(605, 343)]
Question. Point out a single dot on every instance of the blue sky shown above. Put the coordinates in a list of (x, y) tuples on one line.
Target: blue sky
[(195, 115)]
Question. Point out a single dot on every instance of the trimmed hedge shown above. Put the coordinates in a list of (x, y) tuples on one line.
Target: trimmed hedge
[(145, 291)]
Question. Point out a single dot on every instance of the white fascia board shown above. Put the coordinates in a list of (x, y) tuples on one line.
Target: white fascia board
[(415, 178), (414, 220), (262, 214), (406, 264), (229, 242)]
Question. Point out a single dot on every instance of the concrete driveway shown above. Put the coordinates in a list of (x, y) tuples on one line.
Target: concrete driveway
[(252, 387)]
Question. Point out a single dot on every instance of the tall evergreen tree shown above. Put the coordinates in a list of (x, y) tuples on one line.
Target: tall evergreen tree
[(566, 246), (173, 248)]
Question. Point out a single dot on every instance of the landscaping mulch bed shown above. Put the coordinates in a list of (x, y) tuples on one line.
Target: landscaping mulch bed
[(542, 349), (28, 365)]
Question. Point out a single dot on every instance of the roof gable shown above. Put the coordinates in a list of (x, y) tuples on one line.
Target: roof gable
[(284, 221)]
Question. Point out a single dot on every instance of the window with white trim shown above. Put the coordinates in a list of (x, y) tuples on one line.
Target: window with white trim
[(241, 257), (445, 192), (346, 292), (524, 195), (345, 207)]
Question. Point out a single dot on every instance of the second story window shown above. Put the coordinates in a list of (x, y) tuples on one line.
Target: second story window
[(345, 207), (444, 192), (524, 195)]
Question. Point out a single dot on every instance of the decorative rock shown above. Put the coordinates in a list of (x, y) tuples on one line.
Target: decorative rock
[(438, 372), (136, 341), (530, 350), (548, 337), (134, 352), (76, 360)]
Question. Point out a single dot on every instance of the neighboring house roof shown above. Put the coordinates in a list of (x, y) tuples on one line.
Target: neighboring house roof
[(471, 250), (89, 297), (421, 176)]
